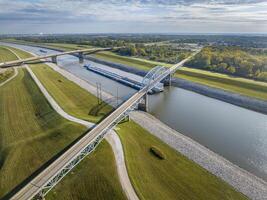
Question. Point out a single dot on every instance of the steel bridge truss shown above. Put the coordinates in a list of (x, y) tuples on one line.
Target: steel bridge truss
[(153, 74), (81, 155)]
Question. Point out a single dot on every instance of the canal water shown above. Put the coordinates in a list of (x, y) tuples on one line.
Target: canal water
[(238, 134)]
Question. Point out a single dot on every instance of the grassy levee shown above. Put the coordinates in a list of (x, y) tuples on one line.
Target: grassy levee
[(73, 99), (91, 179), (174, 177), (247, 87), (130, 61), (6, 55), (96, 176), (31, 132)]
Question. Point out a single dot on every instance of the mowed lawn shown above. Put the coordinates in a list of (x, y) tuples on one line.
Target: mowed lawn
[(247, 87), (6, 55), (72, 98), (94, 178), (31, 132), (175, 177)]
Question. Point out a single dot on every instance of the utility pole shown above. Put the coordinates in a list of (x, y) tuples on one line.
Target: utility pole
[(117, 96)]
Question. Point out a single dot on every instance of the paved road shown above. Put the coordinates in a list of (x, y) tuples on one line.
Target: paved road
[(115, 142)]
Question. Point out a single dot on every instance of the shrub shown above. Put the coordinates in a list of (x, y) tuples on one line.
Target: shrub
[(156, 152)]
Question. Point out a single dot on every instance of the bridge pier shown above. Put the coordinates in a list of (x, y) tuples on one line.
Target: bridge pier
[(81, 57), (54, 59), (143, 105), (168, 80)]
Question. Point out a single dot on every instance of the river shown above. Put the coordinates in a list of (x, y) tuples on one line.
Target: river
[(238, 134)]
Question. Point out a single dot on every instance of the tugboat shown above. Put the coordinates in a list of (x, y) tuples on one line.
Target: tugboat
[(42, 51)]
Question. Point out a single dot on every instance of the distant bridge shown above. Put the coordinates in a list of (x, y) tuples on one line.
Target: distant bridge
[(79, 53), (39, 186)]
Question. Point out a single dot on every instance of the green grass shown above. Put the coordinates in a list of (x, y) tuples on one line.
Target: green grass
[(246, 87), (134, 62), (31, 132), (73, 99), (175, 177), (6, 55), (6, 74), (94, 178), (242, 86)]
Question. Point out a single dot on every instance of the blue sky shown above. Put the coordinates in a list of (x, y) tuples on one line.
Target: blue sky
[(133, 16)]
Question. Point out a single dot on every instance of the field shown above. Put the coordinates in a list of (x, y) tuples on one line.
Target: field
[(6, 55), (174, 177), (31, 132), (93, 178)]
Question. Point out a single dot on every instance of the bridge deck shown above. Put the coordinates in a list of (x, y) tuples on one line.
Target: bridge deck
[(20, 61)]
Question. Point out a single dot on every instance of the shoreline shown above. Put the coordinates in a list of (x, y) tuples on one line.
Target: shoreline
[(242, 180)]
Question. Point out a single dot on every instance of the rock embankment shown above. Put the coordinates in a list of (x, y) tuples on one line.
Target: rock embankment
[(243, 181)]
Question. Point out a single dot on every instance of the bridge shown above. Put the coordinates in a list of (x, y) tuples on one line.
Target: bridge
[(42, 183), (78, 53)]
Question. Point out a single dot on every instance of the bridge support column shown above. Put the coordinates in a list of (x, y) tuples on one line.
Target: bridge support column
[(143, 105), (168, 80), (81, 57), (54, 59)]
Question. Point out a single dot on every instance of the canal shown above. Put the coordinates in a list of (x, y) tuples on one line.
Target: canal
[(238, 134)]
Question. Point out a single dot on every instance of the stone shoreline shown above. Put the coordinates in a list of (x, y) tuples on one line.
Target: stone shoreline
[(243, 181)]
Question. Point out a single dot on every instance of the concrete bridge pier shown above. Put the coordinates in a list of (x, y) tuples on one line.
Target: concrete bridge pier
[(54, 59), (168, 80), (143, 105), (81, 57)]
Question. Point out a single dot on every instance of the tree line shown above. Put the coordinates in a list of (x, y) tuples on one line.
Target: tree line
[(244, 62)]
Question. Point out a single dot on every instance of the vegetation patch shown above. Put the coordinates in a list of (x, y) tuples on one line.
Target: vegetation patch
[(157, 152), (6, 75)]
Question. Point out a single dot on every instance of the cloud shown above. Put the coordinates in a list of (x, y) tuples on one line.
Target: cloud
[(172, 12)]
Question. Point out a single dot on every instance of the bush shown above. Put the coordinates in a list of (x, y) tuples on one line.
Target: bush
[(156, 152)]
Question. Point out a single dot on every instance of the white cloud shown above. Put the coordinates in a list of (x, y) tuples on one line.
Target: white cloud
[(171, 12)]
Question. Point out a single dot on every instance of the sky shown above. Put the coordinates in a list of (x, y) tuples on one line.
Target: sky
[(132, 16)]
